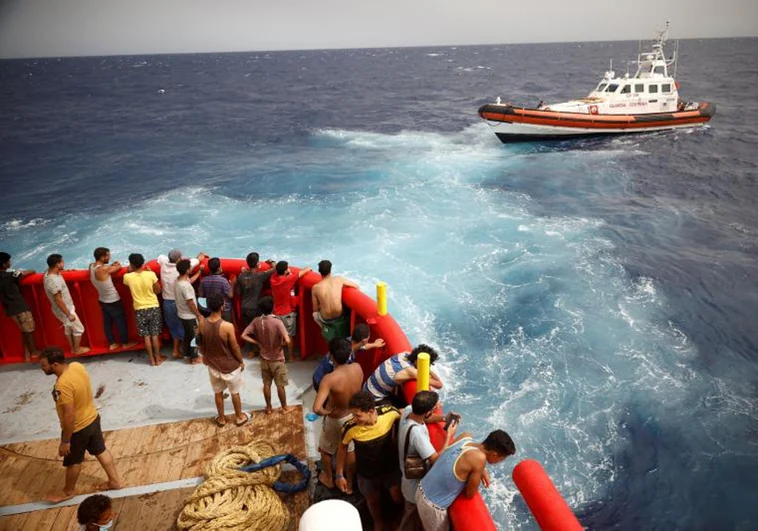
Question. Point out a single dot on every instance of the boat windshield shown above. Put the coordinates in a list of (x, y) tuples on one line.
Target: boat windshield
[(613, 87), (601, 88)]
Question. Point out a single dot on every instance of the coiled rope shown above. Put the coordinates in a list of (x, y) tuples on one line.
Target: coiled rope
[(232, 499)]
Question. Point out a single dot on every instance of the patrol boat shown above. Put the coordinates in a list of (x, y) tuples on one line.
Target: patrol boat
[(647, 101)]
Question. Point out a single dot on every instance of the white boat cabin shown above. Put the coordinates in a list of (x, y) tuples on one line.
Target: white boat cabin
[(651, 90)]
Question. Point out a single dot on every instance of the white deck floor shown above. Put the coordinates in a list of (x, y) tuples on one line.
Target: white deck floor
[(136, 394)]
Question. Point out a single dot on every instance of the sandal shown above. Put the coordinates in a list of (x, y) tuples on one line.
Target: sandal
[(247, 418), (219, 423)]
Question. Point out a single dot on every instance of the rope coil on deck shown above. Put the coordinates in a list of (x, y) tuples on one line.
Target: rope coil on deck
[(231, 499)]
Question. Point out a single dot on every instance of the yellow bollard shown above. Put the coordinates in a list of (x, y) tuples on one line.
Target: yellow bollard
[(381, 298), (422, 372)]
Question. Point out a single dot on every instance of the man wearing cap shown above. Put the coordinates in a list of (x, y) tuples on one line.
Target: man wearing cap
[(169, 275)]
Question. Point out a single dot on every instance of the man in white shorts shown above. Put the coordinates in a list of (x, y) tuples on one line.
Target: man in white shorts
[(62, 304), (222, 355)]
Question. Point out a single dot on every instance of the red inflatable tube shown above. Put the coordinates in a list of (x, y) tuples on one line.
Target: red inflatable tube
[(547, 505), (466, 514)]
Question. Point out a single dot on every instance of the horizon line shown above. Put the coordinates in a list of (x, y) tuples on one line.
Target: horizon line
[(340, 48)]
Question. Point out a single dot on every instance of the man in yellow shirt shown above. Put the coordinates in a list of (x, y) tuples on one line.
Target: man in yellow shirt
[(80, 423), (145, 286)]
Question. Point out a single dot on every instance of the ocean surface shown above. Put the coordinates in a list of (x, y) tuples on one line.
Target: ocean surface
[(596, 299)]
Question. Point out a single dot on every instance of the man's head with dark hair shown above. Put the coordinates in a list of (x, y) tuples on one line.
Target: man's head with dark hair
[(361, 333), (5, 260), (101, 252), (363, 408), (281, 267), (252, 260), (266, 305), (215, 302), (214, 265), (53, 260), (424, 402), (183, 267), (497, 446), (340, 350), (50, 358), (95, 510), (413, 356), (136, 260), (325, 268)]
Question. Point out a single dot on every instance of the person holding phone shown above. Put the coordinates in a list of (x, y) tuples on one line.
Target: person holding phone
[(414, 436)]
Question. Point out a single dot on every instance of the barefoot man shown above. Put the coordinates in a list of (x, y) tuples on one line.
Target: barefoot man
[(145, 287), (327, 295), (270, 334), (62, 304), (80, 422), (334, 394), (14, 304)]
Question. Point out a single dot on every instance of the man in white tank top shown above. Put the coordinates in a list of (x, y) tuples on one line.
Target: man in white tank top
[(110, 301)]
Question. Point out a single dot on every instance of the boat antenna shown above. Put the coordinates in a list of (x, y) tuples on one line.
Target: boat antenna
[(676, 57)]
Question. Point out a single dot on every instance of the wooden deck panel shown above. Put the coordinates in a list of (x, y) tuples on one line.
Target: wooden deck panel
[(147, 512), (144, 455)]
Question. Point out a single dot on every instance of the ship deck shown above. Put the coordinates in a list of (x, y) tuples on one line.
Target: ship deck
[(167, 456), (159, 462)]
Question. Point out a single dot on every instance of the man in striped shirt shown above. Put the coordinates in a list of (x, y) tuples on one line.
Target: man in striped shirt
[(395, 371)]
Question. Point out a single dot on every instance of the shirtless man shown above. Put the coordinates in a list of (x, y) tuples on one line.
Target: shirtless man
[(327, 294), (332, 401)]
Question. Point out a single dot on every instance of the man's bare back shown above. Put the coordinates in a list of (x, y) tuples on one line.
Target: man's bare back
[(342, 383), (327, 296)]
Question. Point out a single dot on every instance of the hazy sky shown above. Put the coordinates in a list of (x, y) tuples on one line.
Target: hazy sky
[(42, 28)]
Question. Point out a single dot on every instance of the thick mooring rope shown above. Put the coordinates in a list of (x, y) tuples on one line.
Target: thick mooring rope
[(230, 499)]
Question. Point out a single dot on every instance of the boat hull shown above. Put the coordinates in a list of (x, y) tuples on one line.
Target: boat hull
[(516, 124)]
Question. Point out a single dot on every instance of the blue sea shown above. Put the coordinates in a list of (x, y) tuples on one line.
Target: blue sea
[(596, 299)]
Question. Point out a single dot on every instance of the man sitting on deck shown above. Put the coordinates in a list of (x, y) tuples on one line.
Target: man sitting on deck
[(327, 302), (459, 469), (80, 422), (14, 304), (270, 335), (395, 371), (282, 284), (222, 355), (332, 401), (95, 513), (372, 430)]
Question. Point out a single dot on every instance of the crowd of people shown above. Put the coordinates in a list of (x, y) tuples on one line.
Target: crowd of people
[(369, 437)]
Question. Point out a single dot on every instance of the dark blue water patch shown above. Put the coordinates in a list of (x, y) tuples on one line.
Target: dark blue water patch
[(651, 488)]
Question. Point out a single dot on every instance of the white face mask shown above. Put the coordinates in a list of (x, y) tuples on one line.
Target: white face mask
[(105, 527)]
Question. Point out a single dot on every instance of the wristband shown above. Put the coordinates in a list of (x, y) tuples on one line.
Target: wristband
[(66, 442), (339, 476)]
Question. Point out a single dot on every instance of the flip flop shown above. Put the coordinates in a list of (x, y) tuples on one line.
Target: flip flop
[(247, 418), (219, 423)]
